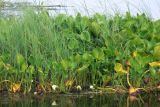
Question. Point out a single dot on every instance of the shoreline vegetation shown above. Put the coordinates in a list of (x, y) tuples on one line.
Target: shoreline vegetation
[(73, 54)]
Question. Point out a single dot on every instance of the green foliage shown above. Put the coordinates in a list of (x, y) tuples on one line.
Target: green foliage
[(84, 50)]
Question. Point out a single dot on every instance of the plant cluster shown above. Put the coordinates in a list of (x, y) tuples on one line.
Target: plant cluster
[(38, 51)]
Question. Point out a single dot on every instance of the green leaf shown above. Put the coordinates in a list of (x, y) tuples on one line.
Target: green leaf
[(87, 57), (95, 28), (72, 65), (31, 69), (156, 52), (40, 70), (85, 36), (153, 72), (24, 67), (78, 58), (20, 59), (98, 53), (73, 44)]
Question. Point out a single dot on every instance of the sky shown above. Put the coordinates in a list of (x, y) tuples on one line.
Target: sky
[(151, 7)]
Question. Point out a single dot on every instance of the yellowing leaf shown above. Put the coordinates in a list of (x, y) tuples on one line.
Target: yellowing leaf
[(134, 54), (154, 64), (119, 68), (132, 90), (69, 83), (15, 87)]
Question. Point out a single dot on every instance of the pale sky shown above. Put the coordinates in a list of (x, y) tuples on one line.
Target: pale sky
[(152, 7)]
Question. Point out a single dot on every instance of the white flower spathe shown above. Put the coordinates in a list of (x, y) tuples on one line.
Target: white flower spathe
[(54, 87), (79, 87)]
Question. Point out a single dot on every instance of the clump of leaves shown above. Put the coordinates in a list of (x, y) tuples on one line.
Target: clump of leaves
[(39, 50)]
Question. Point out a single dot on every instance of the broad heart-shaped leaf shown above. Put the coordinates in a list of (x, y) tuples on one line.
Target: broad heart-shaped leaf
[(73, 44), (119, 68), (84, 22), (31, 69), (95, 28), (137, 41), (24, 67), (20, 59), (98, 54), (87, 57), (78, 58), (155, 64), (156, 52), (85, 36)]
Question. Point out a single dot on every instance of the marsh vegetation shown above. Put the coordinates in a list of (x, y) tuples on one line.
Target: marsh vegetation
[(109, 54)]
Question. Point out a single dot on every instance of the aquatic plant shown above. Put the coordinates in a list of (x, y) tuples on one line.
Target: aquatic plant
[(39, 52)]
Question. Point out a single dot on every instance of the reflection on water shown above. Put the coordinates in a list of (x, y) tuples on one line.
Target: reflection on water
[(108, 100)]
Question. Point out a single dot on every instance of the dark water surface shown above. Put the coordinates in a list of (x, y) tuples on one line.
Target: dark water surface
[(78, 100)]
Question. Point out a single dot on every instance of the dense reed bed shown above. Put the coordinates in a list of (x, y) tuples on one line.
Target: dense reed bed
[(41, 53)]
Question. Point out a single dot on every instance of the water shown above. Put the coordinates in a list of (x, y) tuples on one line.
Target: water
[(76, 100), (89, 7)]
